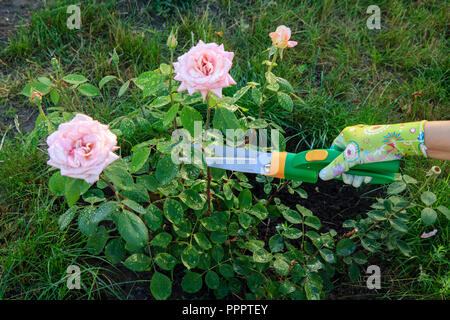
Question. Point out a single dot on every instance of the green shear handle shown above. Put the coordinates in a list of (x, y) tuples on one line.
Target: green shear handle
[(305, 166)]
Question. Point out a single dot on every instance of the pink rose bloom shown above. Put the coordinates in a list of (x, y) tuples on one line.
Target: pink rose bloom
[(280, 38), (82, 148), (204, 68)]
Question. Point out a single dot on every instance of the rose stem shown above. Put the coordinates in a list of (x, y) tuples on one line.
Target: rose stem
[(265, 83), (208, 174)]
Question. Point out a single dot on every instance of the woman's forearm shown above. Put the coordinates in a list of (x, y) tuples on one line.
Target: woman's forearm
[(437, 139)]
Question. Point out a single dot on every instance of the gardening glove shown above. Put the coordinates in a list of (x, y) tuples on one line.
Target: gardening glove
[(362, 144)]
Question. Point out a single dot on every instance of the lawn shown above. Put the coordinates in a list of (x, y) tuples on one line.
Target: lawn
[(340, 74)]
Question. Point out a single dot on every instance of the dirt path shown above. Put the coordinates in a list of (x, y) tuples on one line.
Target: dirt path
[(13, 13)]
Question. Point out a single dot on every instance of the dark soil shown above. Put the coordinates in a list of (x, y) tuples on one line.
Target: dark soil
[(14, 12)]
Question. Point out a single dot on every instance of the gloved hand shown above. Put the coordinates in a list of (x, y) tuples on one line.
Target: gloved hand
[(364, 144)]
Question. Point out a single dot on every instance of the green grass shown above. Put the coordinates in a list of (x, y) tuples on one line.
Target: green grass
[(345, 73)]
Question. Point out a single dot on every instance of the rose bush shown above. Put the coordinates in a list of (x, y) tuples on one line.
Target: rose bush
[(151, 214)]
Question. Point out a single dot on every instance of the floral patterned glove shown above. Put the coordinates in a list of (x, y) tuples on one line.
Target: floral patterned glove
[(364, 144)]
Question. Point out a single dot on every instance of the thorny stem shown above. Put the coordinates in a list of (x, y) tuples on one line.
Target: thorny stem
[(116, 193), (170, 86), (275, 55), (208, 173), (270, 200)]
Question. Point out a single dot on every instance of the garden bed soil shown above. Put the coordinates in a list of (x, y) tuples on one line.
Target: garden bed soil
[(331, 201)]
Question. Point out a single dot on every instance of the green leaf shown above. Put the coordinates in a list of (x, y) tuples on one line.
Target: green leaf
[(93, 196), (281, 267), (75, 79), (313, 222), (217, 253), (398, 225), (396, 187), (259, 211), (227, 192), (85, 223), (188, 117), (190, 257), (165, 261), (377, 215), (428, 216), (193, 199), (160, 286), (115, 57), (428, 198), (245, 220), (276, 243), (54, 96), (118, 174), (360, 258), (218, 237), (272, 81), (123, 88), (166, 170), (284, 84), (191, 282), (304, 211), (138, 262), (345, 247), (127, 127), (132, 229), (136, 207), (327, 255), (445, 211), (256, 96), (160, 101), (161, 240), (353, 272), (104, 212), (212, 280), (73, 189), (262, 256), (105, 80), (404, 247), (65, 219), (173, 211), (285, 101), (139, 158), (88, 90), (202, 240), (170, 114), (292, 233), (225, 119), (240, 93), (245, 199), (311, 291), (369, 244), (287, 287), (96, 241), (226, 271), (165, 69), (292, 216), (153, 217), (115, 251)]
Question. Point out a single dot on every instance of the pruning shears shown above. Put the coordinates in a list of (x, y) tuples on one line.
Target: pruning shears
[(303, 166)]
